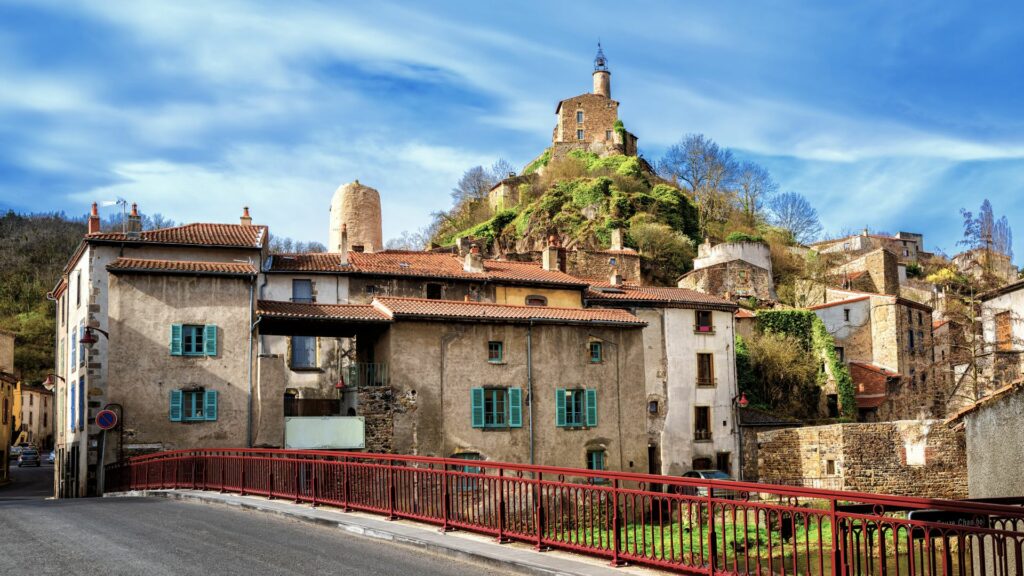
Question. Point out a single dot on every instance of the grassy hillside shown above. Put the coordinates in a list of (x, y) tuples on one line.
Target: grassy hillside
[(33, 251)]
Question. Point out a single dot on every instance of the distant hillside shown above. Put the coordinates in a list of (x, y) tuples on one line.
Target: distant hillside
[(33, 251), (582, 198)]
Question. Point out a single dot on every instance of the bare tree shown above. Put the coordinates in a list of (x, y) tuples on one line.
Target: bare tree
[(285, 245), (707, 170), (409, 240), (501, 169), (794, 214), (474, 185), (754, 187)]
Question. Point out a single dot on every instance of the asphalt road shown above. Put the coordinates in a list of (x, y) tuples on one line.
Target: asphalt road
[(155, 537)]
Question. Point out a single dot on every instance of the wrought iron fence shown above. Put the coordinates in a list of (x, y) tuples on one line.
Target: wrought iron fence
[(367, 374), (683, 524)]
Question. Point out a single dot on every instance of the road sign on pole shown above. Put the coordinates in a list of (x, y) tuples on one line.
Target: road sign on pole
[(106, 419)]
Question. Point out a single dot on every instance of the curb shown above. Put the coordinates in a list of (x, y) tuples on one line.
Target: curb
[(501, 556)]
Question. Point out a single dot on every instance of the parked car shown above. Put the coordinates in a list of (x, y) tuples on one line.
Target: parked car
[(51, 457), (15, 452), (29, 457), (702, 491)]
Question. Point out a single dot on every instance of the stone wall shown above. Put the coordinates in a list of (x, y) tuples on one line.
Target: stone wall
[(735, 280), (357, 207), (376, 406), (599, 116), (597, 264), (6, 351), (907, 458)]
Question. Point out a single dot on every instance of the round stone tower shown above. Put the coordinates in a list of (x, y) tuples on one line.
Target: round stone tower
[(356, 208), (602, 76)]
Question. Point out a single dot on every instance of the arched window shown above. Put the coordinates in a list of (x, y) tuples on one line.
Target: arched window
[(536, 300)]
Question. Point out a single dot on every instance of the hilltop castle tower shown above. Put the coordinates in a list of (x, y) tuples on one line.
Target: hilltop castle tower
[(355, 219), (588, 121)]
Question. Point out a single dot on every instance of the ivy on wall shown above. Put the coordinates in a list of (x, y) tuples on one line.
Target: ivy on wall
[(812, 333)]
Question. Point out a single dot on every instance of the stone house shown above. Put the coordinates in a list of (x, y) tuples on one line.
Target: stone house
[(734, 271), (888, 343), (507, 192), (995, 443), (82, 306), (1002, 329), (907, 246), (33, 416), (877, 271), (921, 458), (689, 372), (987, 265), (472, 380)]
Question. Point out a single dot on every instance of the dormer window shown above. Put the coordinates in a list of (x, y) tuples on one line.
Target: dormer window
[(536, 300)]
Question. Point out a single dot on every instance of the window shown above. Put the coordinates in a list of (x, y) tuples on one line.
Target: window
[(78, 289), (434, 291), (704, 321), (371, 289), (910, 341), (579, 116), (607, 134), (1004, 331), (30, 418), (303, 356), (832, 404), (846, 314), (81, 347), (579, 134), (701, 423), (496, 407), (496, 352), (358, 248), (302, 291), (193, 340), (652, 407), (46, 421), (575, 407), (920, 341), (705, 369), (830, 467), (918, 318), (80, 420), (535, 300), (596, 353), (595, 460), (193, 405), (723, 462), (31, 400), (468, 483), (3, 415), (74, 407), (841, 353)]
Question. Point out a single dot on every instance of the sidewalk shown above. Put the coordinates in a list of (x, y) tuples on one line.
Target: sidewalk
[(517, 557)]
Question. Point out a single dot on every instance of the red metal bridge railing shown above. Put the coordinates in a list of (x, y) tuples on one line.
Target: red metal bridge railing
[(682, 524)]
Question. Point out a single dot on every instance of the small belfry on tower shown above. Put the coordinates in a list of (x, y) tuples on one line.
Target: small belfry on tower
[(602, 76)]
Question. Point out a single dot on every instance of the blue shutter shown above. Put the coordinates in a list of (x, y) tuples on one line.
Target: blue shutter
[(515, 408), (73, 345), (210, 402), (477, 407), (175, 339), (559, 407), (591, 406), (81, 403), (74, 407), (176, 399), (210, 340)]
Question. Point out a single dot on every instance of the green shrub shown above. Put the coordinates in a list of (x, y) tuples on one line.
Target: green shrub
[(587, 192), (541, 161), (743, 237)]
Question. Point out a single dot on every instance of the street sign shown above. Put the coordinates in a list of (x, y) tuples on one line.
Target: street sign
[(106, 419), (954, 519)]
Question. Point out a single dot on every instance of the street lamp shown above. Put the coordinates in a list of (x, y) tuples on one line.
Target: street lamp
[(89, 338), (742, 401), (51, 380)]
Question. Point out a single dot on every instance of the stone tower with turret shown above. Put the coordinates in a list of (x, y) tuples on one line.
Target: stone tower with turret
[(588, 121), (355, 219)]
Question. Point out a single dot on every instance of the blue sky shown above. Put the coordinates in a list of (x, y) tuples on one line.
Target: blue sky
[(884, 114)]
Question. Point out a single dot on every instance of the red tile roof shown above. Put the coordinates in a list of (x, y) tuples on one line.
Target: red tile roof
[(744, 313), (870, 383), (221, 235), (607, 294), (939, 324), (181, 267), (422, 265), (306, 311), (838, 303), (456, 310), (388, 309)]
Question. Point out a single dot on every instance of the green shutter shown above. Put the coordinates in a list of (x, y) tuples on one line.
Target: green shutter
[(175, 339), (559, 407), (176, 397), (515, 408), (591, 406), (210, 340), (210, 402), (477, 407)]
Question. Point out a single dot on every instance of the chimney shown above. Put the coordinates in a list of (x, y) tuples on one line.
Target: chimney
[(551, 258), (617, 239), (344, 244), (134, 222), (474, 261), (245, 220), (94, 219), (616, 278)]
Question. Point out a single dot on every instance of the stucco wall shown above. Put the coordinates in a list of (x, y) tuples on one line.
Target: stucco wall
[(558, 298), (434, 416), (755, 253), (995, 448), (142, 375), (853, 335), (6, 351)]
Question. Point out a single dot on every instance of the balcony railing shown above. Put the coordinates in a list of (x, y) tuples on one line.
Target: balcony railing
[(360, 374)]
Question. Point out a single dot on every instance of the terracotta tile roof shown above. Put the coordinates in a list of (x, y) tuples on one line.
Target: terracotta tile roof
[(939, 324), (744, 313), (870, 383), (423, 265), (1010, 388), (459, 310), (306, 311), (838, 303), (1011, 287), (222, 235), (181, 267), (608, 294), (896, 299)]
